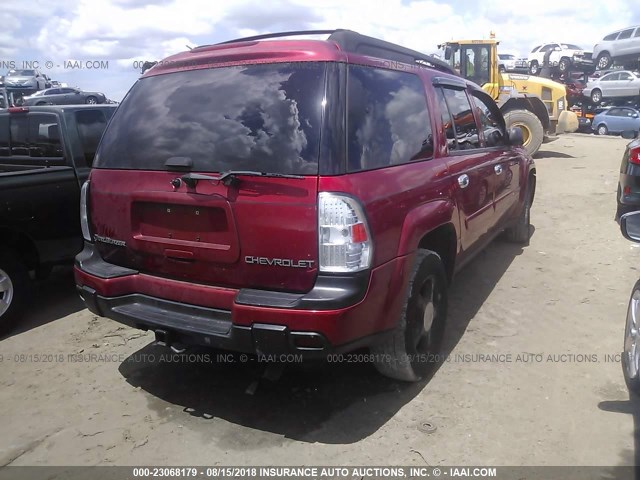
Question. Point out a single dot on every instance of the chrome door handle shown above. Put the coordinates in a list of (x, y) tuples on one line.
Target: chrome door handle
[(498, 169), (463, 181)]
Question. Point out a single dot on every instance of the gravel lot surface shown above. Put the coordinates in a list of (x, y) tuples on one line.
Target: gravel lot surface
[(532, 375)]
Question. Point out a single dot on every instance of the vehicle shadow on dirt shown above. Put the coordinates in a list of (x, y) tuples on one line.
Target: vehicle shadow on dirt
[(51, 299), (312, 402), (627, 457)]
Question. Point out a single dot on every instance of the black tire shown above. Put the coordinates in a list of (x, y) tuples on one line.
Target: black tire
[(41, 103), (520, 232), (534, 68), (13, 295), (501, 69), (629, 361), (532, 131), (91, 100), (596, 95), (411, 352), (604, 61), (602, 129), (564, 65)]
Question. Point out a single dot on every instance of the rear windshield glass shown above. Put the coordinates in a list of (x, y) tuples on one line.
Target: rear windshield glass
[(252, 117)]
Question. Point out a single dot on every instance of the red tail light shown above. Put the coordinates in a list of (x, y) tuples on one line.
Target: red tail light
[(18, 109), (634, 155)]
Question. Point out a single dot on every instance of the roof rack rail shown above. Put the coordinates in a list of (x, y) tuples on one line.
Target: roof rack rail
[(350, 41)]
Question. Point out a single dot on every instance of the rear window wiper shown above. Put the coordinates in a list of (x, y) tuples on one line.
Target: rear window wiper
[(230, 177)]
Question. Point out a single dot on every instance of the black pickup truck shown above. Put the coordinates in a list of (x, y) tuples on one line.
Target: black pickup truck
[(46, 154)]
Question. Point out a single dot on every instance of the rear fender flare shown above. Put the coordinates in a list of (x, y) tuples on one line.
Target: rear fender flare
[(424, 219)]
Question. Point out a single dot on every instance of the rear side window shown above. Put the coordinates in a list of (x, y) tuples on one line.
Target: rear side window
[(388, 119), (36, 135), (637, 32), (252, 117), (465, 128), (611, 36), (625, 34), (90, 125)]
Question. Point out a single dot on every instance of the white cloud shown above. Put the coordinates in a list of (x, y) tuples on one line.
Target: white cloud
[(126, 30)]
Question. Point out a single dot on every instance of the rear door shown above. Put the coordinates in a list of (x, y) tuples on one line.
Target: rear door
[(253, 231), (469, 164)]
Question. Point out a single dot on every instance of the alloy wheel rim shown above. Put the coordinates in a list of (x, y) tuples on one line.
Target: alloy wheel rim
[(602, 130), (6, 292), (632, 338)]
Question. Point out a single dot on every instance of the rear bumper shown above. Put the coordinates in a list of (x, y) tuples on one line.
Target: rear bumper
[(340, 313)]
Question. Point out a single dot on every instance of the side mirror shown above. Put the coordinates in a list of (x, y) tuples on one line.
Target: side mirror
[(630, 134), (447, 52), (515, 136), (630, 226)]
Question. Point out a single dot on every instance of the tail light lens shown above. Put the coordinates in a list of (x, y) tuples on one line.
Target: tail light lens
[(344, 240), (634, 155), (84, 212)]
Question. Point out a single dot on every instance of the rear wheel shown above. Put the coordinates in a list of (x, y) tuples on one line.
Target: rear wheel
[(596, 95), (602, 129), (41, 103), (532, 131), (534, 68), (14, 287), (604, 61), (91, 100), (412, 351)]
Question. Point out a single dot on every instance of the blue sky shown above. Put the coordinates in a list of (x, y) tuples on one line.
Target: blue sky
[(124, 32)]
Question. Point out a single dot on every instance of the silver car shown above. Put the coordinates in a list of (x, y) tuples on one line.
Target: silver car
[(621, 46), (620, 83), (63, 96), (25, 79)]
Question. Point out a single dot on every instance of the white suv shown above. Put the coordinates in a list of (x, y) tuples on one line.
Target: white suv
[(621, 46), (561, 55)]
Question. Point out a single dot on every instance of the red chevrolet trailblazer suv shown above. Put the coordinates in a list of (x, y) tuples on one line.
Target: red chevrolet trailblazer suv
[(298, 196)]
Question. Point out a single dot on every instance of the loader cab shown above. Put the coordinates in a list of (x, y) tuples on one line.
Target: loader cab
[(474, 60)]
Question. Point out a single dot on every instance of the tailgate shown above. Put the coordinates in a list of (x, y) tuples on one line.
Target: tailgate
[(260, 234)]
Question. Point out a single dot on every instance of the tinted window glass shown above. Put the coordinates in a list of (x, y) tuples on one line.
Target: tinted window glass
[(611, 36), (447, 122), (4, 136), (625, 34), (36, 135), (637, 32), (610, 77), (625, 76), (388, 121), (615, 112), (44, 136), (19, 131), (464, 122), (256, 117), (90, 124), (491, 121)]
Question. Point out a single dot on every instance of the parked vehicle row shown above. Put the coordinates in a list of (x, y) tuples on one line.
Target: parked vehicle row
[(621, 48)]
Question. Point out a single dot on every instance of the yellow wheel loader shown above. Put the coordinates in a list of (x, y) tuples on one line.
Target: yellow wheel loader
[(537, 105)]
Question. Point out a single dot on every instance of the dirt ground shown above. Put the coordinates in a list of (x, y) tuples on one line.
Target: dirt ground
[(551, 314)]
